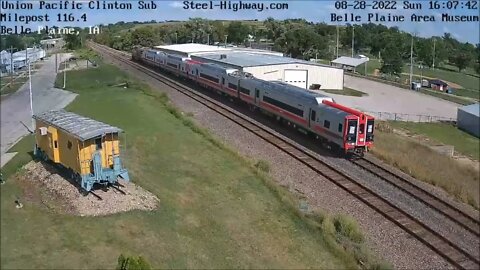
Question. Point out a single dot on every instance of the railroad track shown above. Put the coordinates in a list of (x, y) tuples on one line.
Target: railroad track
[(447, 209), (451, 252)]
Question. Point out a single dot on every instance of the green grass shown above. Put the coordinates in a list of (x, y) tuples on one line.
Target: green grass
[(346, 92), (449, 97), (216, 210), (425, 164), (447, 134)]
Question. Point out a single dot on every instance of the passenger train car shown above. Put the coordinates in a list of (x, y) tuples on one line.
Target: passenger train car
[(341, 127)]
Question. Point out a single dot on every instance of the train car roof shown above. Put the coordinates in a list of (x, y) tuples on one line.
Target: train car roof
[(78, 126), (218, 67)]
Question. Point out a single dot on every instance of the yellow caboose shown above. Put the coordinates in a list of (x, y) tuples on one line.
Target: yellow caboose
[(89, 149)]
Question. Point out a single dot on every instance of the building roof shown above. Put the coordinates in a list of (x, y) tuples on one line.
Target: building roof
[(349, 61), (250, 59), (80, 127), (189, 48), (472, 109), (438, 82)]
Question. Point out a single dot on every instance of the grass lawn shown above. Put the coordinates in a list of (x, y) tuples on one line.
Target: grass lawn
[(427, 165), (346, 92), (463, 142), (216, 210)]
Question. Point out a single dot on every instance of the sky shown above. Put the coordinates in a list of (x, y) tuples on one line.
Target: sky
[(316, 11)]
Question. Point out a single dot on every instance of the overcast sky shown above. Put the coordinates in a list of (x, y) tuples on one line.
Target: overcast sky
[(316, 11)]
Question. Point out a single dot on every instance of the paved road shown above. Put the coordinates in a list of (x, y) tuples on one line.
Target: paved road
[(15, 108), (386, 98)]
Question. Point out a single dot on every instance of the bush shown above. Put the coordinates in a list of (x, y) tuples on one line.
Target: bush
[(347, 227), (132, 263)]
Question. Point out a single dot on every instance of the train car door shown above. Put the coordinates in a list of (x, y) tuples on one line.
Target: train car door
[(312, 118), (257, 96)]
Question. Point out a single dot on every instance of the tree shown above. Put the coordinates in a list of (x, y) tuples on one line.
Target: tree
[(72, 41), (392, 58), (461, 59), (237, 32), (12, 41), (132, 263), (301, 42)]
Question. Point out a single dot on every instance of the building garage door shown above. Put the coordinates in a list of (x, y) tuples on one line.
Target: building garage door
[(296, 77)]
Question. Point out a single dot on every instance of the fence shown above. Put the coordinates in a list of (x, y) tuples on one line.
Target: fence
[(410, 117)]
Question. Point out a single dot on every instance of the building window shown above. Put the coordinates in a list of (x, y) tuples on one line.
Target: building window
[(69, 145), (340, 127), (326, 124)]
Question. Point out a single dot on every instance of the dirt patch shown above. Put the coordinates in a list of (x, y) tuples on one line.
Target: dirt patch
[(43, 184)]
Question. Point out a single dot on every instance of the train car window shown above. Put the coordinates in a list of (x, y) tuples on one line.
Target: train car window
[(326, 124), (55, 144), (257, 93), (244, 90), (196, 71), (284, 106), (69, 145), (362, 128), (98, 143), (351, 130), (313, 115), (340, 127), (233, 86), (223, 81)]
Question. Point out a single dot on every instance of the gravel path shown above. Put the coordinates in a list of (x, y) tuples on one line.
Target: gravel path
[(385, 238)]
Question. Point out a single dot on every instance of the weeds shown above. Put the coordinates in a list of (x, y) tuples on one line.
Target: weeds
[(263, 166)]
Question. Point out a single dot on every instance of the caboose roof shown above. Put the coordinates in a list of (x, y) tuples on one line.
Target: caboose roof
[(78, 126)]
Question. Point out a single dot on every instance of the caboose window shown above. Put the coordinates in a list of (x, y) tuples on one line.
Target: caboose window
[(98, 143), (55, 144), (69, 145), (326, 124)]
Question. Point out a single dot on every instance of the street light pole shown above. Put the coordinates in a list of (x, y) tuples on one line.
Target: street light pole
[(226, 36)]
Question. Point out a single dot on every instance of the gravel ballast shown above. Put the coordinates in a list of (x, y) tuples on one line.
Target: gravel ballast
[(64, 195), (385, 238)]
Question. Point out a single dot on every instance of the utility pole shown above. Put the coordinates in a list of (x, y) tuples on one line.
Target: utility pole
[(353, 39), (31, 94), (338, 31), (11, 64), (176, 38), (56, 62), (208, 39), (65, 75), (434, 41), (226, 36), (411, 62)]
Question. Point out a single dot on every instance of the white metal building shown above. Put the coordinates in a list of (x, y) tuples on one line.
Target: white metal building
[(468, 119), (266, 65)]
